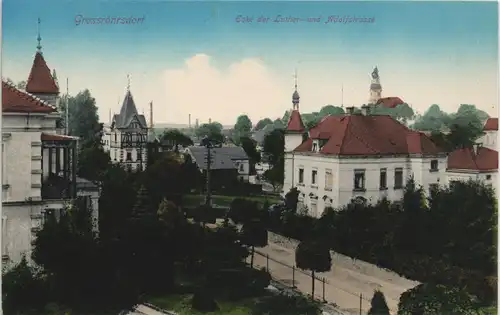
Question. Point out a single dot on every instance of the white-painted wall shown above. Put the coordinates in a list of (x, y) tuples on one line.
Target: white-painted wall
[(243, 167), (343, 171), (292, 140), (488, 178), (489, 139), (112, 144), (22, 172)]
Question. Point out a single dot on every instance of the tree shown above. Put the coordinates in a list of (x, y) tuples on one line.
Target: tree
[(286, 117), (331, 110), (292, 199), (212, 131), (93, 161), (430, 299), (262, 123), (276, 175), (274, 146), (378, 304), (254, 234), (314, 256), (20, 85), (23, 289), (249, 146), (83, 117), (118, 194), (176, 138), (433, 119), (243, 210), (243, 126)]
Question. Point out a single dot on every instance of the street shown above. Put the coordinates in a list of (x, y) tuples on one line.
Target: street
[(345, 283)]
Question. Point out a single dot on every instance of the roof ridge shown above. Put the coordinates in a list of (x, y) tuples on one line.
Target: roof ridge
[(26, 93)]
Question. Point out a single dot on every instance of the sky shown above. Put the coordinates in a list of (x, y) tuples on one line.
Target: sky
[(217, 60)]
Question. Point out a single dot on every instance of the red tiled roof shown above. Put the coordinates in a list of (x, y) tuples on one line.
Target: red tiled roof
[(491, 124), (40, 79), (368, 135), (295, 122), (56, 137), (17, 101), (466, 159), (390, 102)]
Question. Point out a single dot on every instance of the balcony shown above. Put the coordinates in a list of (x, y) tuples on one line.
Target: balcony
[(58, 167)]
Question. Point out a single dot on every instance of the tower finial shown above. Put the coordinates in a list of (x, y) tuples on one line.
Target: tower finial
[(128, 82), (39, 38), (295, 96)]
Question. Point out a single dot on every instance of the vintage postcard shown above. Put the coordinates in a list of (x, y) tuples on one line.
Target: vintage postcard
[(249, 157)]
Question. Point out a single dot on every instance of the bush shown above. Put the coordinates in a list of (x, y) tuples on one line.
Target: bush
[(203, 301), (431, 299), (23, 289), (283, 304), (378, 304)]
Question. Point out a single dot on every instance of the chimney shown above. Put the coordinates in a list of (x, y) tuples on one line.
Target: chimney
[(349, 110), (209, 120), (189, 121), (365, 110)]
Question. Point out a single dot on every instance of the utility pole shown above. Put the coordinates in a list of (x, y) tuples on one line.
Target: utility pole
[(208, 197), (67, 106)]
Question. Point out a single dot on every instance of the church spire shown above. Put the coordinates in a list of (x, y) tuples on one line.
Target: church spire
[(39, 39), (128, 82), (295, 96)]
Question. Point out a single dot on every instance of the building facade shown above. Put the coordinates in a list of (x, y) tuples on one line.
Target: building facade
[(489, 139), (126, 138), (477, 163), (356, 158), (38, 161)]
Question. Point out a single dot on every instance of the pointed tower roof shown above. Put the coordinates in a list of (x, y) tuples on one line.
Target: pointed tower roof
[(128, 112), (40, 79), (295, 123)]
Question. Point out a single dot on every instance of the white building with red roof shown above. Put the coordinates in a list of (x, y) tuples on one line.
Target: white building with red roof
[(489, 139), (477, 163), (38, 162), (357, 158)]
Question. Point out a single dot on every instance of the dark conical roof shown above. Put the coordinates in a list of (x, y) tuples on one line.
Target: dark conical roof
[(128, 112)]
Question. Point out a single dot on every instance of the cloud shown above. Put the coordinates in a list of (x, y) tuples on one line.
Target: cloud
[(244, 87)]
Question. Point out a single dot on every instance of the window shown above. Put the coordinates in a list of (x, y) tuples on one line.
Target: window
[(129, 156), (434, 165), (383, 179), (314, 209), (328, 180), (242, 167), (488, 177), (115, 136), (301, 175), (314, 177), (398, 178), (359, 179)]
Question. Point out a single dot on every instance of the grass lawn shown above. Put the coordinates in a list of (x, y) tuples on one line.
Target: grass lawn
[(180, 304), (225, 201)]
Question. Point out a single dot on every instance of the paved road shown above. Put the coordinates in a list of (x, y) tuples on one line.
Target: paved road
[(345, 282)]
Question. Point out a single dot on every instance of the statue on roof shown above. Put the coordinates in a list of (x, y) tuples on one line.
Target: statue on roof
[(375, 74)]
